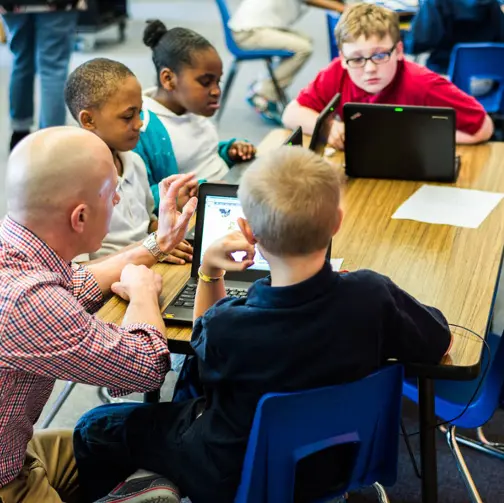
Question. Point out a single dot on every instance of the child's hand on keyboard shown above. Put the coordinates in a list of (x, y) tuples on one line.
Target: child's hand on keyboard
[(229, 253)]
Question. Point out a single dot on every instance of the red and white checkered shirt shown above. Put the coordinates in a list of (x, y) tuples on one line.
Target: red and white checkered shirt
[(48, 333)]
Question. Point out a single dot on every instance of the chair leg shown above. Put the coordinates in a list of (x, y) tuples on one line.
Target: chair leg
[(60, 400), (227, 87), (382, 495), (461, 465), (278, 89), (482, 444)]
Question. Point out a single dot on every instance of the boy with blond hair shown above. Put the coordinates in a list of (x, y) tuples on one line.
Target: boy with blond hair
[(372, 69), (305, 312)]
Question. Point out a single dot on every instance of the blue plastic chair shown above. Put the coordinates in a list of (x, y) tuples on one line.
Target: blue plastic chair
[(332, 20), (452, 398), (360, 418), (482, 61), (241, 55)]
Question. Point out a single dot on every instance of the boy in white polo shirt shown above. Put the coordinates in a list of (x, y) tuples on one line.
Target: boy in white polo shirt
[(105, 97), (266, 24)]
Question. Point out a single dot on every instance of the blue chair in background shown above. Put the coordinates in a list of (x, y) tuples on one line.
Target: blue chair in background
[(318, 444), (480, 61), (332, 19), (451, 400), (241, 55)]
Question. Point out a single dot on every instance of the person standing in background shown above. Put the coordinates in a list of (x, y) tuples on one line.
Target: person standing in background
[(266, 24), (40, 36)]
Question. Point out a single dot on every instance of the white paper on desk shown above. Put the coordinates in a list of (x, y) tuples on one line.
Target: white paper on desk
[(336, 263), (449, 206)]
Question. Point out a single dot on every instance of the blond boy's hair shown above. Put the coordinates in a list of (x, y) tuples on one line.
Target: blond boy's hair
[(290, 198), (368, 20)]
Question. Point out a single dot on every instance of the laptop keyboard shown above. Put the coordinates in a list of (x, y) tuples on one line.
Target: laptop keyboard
[(187, 295)]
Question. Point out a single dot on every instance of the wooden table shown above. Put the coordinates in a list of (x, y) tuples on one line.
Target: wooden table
[(454, 269)]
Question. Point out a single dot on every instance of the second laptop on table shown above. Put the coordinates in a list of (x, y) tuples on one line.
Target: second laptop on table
[(400, 142)]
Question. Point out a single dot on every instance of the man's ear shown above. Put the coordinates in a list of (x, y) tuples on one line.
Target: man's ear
[(86, 120), (79, 218), (168, 79), (247, 231)]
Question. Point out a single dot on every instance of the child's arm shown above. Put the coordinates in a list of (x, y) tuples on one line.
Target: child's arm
[(337, 5), (415, 333), (233, 151), (217, 260), (296, 115)]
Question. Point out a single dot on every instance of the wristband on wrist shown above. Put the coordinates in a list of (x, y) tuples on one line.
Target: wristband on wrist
[(209, 279)]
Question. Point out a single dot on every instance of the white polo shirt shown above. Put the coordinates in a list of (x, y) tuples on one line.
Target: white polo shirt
[(132, 216), (194, 139), (252, 14)]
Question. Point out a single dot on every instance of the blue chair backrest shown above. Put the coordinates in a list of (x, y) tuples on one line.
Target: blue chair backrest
[(482, 61), (332, 20), (225, 17), (452, 396), (288, 427)]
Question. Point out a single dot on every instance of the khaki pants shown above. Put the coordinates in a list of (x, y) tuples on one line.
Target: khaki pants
[(49, 473), (271, 38)]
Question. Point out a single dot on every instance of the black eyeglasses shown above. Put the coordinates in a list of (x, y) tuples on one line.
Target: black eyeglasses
[(378, 58)]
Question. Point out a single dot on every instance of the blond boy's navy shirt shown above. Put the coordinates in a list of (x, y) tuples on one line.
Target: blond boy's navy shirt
[(330, 329)]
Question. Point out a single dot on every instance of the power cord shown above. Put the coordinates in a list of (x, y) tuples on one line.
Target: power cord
[(407, 435)]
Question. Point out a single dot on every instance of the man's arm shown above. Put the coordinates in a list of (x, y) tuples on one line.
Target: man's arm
[(52, 335), (296, 115)]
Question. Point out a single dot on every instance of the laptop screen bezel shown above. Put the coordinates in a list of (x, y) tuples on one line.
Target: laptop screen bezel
[(355, 145), (323, 124), (223, 190)]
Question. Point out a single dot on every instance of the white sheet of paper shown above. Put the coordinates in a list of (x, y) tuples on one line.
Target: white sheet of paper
[(449, 206), (336, 263)]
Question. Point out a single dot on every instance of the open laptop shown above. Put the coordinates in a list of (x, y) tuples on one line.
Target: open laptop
[(235, 173), (216, 215), (323, 125), (400, 142)]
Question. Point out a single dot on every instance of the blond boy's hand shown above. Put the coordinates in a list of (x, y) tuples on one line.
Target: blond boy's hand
[(172, 224), (219, 255), (337, 135)]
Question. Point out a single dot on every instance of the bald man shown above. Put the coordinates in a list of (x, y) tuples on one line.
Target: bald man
[(61, 190)]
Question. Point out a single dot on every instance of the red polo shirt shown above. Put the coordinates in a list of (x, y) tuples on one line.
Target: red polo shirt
[(412, 85)]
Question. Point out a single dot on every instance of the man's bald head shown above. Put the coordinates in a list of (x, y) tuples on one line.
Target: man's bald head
[(52, 170)]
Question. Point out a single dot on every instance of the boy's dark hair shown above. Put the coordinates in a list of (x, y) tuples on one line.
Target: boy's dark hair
[(172, 48), (92, 83)]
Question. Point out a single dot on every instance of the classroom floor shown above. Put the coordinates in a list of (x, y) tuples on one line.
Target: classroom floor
[(202, 16)]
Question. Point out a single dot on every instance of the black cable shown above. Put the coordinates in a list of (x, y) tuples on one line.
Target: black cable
[(476, 391)]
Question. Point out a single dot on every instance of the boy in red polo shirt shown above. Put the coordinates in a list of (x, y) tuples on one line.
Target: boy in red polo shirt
[(372, 69)]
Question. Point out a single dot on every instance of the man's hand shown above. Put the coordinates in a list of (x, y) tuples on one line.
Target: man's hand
[(241, 151), (138, 281), (172, 224), (337, 135), (181, 254), (189, 190), (219, 255)]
